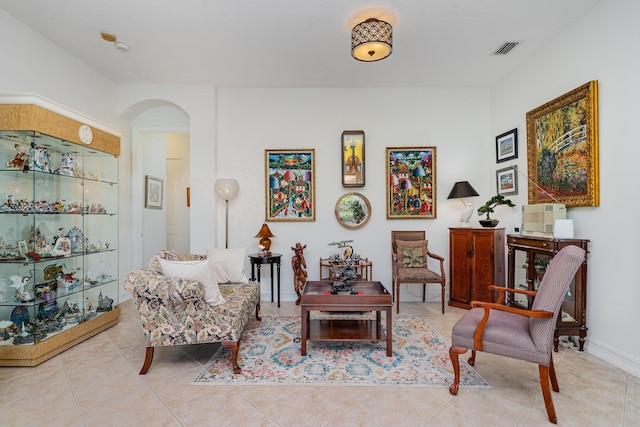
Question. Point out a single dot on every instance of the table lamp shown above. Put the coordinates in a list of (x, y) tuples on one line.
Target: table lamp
[(463, 189), (264, 235), (226, 189)]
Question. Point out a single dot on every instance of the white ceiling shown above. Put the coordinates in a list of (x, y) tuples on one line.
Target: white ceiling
[(298, 43)]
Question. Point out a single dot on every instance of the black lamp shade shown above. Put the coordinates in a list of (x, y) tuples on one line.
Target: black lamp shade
[(462, 189)]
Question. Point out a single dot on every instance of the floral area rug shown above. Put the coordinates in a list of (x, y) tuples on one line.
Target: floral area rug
[(270, 355)]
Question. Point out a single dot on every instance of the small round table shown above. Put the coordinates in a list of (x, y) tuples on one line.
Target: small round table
[(258, 260)]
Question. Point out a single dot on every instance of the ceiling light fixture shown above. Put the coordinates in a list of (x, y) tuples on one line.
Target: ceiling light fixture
[(371, 40), (111, 38)]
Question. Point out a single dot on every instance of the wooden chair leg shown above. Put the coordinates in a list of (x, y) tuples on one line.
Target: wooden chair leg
[(546, 393), (454, 353), (472, 359), (552, 374), (424, 292), (442, 291), (234, 346), (147, 361), (398, 297)]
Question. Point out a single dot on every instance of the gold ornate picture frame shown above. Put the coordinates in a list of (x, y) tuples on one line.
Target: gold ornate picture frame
[(290, 191), (562, 149)]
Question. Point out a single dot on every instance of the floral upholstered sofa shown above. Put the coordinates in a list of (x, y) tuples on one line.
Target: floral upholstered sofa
[(174, 310)]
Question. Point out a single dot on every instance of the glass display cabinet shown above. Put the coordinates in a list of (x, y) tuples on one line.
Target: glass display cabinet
[(58, 234), (528, 258)]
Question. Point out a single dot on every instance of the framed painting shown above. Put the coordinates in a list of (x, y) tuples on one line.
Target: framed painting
[(507, 181), (562, 149), (290, 185), (507, 146), (152, 192), (411, 182), (352, 158)]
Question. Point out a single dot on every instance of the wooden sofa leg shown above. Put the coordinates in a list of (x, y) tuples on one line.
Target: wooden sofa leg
[(147, 361), (258, 312), (234, 346)]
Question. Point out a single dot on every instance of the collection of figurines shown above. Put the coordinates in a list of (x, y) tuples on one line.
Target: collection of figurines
[(50, 318), (344, 270), (24, 206), (62, 244)]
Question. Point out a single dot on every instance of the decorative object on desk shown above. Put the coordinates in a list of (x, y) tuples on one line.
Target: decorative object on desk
[(371, 40), (264, 234), (290, 185), (563, 229), (353, 158), (153, 192), (489, 207), (507, 146), (507, 180), (411, 182), (270, 353), (346, 252), (460, 190), (562, 149), (340, 287), (299, 273), (226, 189), (353, 210)]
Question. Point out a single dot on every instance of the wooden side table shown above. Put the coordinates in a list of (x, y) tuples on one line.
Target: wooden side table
[(258, 260)]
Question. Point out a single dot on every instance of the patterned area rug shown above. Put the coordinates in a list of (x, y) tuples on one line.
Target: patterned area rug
[(270, 355)]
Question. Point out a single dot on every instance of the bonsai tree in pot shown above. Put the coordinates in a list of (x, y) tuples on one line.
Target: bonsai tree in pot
[(488, 208)]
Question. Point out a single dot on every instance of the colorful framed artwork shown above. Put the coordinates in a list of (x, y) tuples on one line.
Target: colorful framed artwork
[(507, 146), (290, 185), (562, 149), (153, 193), (411, 182), (352, 158), (507, 180)]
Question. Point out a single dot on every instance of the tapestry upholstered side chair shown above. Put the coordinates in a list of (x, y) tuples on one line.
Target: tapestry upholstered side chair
[(409, 264), (518, 333)]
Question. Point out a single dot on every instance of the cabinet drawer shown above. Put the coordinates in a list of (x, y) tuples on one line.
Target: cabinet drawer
[(530, 242)]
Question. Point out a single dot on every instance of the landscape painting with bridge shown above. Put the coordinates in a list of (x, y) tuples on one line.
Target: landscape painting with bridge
[(562, 149)]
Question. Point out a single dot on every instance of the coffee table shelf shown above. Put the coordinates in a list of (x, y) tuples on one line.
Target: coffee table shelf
[(345, 330)]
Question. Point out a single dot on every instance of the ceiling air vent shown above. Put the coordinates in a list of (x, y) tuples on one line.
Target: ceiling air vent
[(505, 48)]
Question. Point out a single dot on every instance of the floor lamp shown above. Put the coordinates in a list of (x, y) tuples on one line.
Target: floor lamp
[(226, 189)]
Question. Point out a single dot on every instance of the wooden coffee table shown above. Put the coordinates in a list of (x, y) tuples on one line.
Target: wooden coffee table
[(372, 296)]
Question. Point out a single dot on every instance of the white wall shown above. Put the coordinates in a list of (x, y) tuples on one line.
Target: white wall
[(601, 46), (455, 121)]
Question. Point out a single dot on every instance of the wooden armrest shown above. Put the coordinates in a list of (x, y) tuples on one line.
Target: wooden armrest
[(502, 290), (488, 306), (435, 256)]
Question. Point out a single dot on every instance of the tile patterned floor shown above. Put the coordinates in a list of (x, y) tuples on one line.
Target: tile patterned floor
[(96, 383)]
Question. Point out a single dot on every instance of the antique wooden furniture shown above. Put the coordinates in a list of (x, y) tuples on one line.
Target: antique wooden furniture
[(363, 268), (409, 264), (529, 257), (174, 311), (515, 332), (258, 260), (59, 222), (476, 260), (371, 296)]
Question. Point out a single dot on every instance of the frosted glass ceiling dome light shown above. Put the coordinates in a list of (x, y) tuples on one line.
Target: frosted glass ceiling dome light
[(371, 40)]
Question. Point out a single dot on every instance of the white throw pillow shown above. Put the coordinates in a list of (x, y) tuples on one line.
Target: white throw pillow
[(227, 265), (199, 270)]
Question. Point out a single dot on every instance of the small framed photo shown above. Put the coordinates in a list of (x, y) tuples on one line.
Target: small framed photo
[(507, 180), (23, 248), (153, 193), (352, 158), (507, 146)]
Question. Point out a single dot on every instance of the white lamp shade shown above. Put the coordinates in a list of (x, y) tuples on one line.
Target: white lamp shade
[(226, 188)]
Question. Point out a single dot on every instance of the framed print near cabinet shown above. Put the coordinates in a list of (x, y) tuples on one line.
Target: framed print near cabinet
[(562, 149), (290, 185), (507, 181), (353, 158), (507, 146), (411, 182)]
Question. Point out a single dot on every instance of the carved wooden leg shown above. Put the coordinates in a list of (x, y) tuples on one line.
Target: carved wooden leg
[(424, 292), (147, 361), (454, 352), (546, 393), (398, 297), (258, 312), (442, 291), (234, 346), (472, 359), (552, 374)]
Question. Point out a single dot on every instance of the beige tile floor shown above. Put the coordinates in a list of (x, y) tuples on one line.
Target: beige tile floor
[(96, 383)]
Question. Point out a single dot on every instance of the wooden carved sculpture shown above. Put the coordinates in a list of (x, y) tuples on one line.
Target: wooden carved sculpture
[(299, 273)]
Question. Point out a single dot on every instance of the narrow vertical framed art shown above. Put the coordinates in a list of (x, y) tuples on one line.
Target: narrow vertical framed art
[(153, 192), (290, 189), (411, 182), (352, 158)]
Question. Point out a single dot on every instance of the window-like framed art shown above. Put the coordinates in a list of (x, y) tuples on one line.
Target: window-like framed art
[(290, 184), (507, 146), (153, 192), (352, 158), (562, 149), (411, 182), (507, 181)]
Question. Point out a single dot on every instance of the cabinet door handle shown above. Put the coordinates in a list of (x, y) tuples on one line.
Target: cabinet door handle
[(469, 252)]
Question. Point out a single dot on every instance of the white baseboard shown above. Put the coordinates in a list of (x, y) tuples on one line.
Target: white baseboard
[(614, 357)]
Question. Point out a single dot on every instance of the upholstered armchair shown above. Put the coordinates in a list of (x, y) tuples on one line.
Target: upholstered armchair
[(179, 311), (409, 263), (517, 333)]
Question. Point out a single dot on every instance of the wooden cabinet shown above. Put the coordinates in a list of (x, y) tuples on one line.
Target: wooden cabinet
[(476, 260), (529, 257)]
